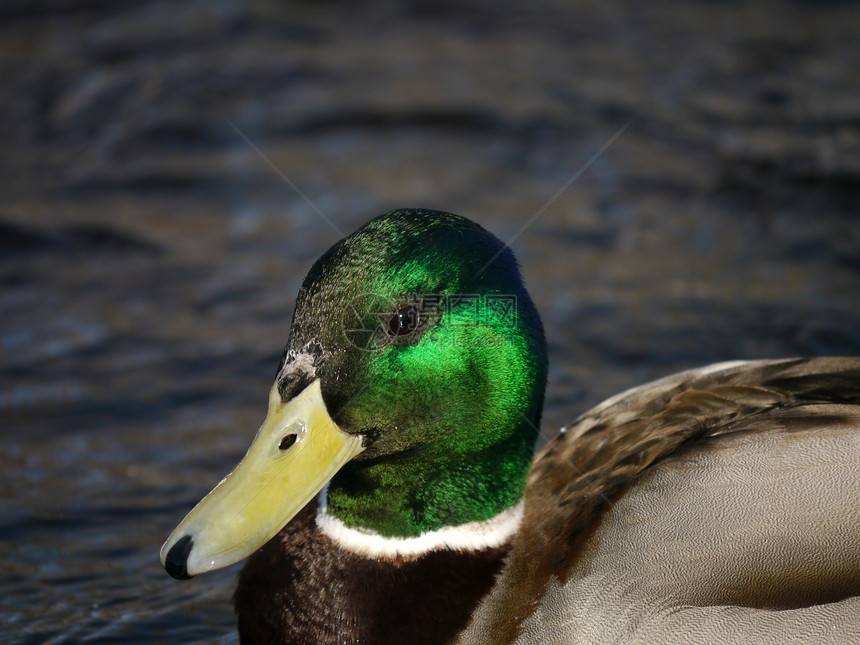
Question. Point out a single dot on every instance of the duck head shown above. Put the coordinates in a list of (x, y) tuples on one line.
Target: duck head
[(412, 384)]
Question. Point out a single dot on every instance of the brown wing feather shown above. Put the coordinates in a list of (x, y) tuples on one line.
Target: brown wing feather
[(608, 449)]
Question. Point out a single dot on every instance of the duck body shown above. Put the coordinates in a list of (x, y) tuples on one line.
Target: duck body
[(719, 505), (391, 496)]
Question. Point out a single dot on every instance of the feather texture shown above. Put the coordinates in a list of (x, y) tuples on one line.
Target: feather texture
[(668, 456)]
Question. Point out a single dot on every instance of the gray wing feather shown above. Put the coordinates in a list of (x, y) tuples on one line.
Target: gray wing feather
[(720, 505)]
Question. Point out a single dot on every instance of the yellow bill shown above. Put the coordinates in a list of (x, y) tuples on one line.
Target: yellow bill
[(297, 450)]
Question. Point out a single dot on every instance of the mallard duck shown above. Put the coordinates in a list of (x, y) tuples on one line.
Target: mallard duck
[(391, 495)]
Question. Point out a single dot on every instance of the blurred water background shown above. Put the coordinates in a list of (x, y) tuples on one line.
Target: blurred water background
[(152, 237)]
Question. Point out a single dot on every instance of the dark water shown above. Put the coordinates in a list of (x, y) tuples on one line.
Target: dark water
[(149, 254)]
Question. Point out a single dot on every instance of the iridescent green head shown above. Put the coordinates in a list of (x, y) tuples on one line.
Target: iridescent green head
[(412, 383), (428, 345)]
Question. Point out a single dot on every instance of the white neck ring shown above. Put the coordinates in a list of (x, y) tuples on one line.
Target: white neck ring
[(472, 536)]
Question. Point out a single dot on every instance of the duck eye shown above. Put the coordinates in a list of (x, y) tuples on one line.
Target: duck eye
[(288, 441), (404, 321)]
